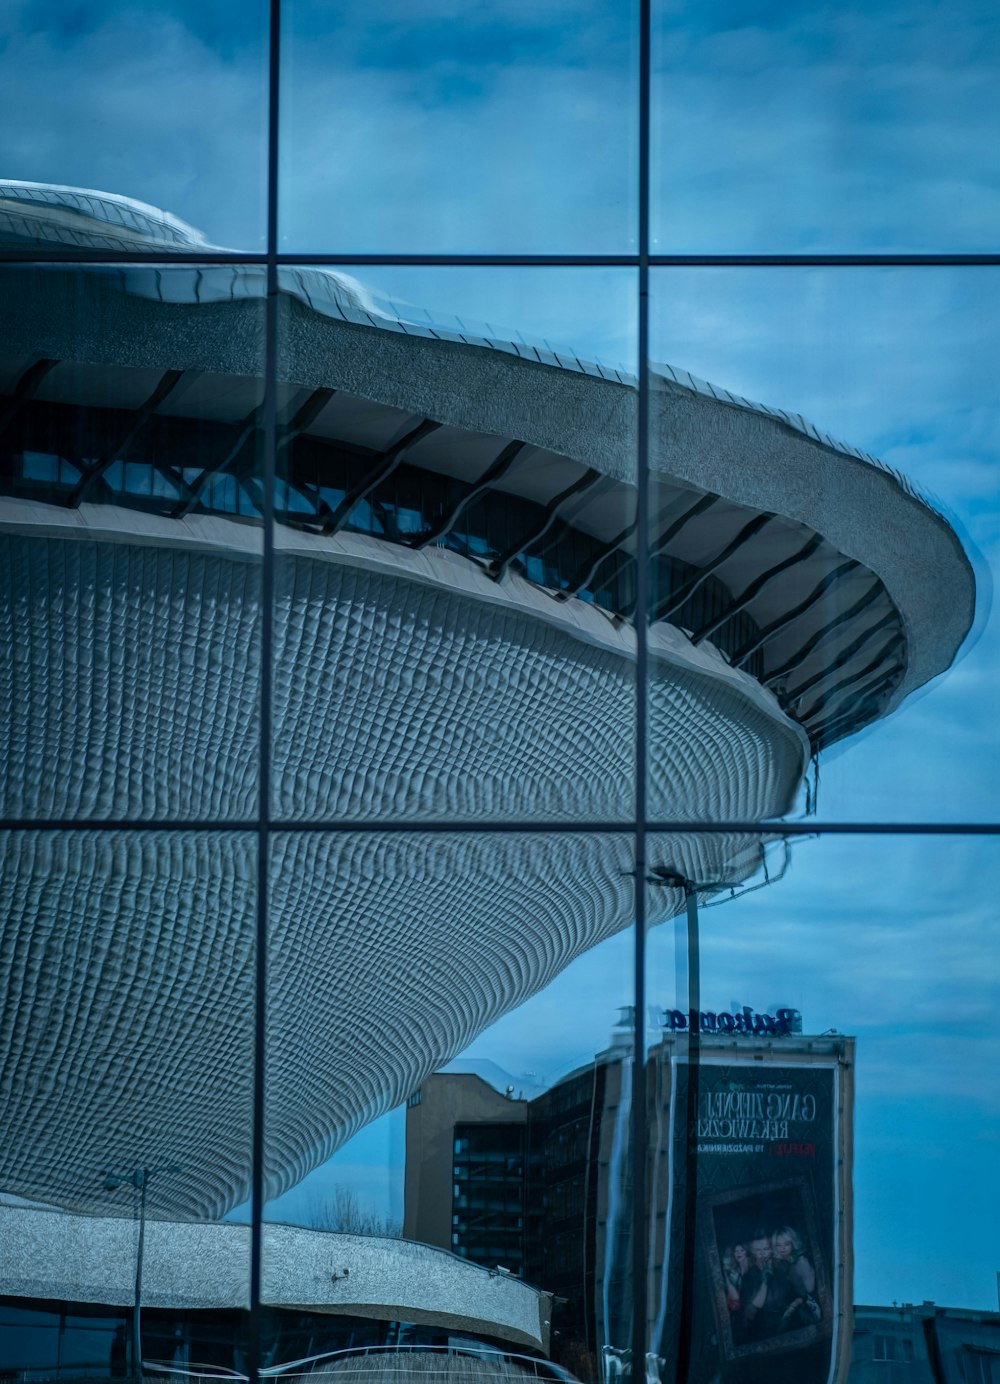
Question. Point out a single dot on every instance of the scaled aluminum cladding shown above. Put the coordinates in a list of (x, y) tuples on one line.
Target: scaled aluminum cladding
[(127, 1035)]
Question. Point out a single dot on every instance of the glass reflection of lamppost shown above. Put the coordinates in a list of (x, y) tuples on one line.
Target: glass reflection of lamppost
[(668, 876), (673, 879), (139, 1178)]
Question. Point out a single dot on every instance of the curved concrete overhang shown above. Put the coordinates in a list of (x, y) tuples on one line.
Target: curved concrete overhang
[(759, 509), (754, 462), (52, 1255)]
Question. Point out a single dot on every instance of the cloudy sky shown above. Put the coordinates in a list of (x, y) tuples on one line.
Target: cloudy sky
[(433, 125)]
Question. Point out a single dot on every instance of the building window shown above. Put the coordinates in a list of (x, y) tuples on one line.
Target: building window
[(498, 512)]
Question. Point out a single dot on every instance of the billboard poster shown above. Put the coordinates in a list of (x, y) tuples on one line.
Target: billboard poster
[(762, 1190)]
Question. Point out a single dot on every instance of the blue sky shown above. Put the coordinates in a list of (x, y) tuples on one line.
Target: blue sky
[(778, 127), (790, 126), (510, 126)]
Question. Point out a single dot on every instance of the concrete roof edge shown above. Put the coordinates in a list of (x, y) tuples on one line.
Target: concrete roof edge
[(761, 459)]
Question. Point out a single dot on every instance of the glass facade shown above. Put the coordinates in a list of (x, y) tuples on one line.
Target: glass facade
[(497, 693)]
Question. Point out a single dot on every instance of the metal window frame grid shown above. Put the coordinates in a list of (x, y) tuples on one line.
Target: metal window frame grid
[(264, 826)]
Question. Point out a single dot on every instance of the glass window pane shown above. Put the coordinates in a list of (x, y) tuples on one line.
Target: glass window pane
[(114, 112), (835, 1008), (449, 1094), (127, 969), (455, 540), (831, 548), (130, 584), (798, 128), (438, 129)]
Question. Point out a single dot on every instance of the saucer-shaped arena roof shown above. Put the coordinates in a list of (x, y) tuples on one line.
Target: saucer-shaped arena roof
[(37, 215), (801, 559), (453, 641)]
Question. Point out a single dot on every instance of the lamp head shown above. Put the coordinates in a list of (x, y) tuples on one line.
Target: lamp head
[(666, 874)]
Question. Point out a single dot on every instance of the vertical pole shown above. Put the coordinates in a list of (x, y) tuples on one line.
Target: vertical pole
[(693, 966), (690, 1135), (141, 1179), (638, 1130), (269, 446)]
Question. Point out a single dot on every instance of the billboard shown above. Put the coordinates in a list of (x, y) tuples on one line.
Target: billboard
[(751, 1169)]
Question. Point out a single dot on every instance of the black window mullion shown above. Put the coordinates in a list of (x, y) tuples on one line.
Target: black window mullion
[(269, 435), (637, 1129)]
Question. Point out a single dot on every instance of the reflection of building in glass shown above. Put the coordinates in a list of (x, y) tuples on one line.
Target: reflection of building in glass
[(773, 1162), (489, 1202), (561, 1195), (925, 1344), (465, 1170), (323, 1292), (455, 581)]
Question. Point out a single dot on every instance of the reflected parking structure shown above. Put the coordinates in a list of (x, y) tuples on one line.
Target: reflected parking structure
[(451, 643)]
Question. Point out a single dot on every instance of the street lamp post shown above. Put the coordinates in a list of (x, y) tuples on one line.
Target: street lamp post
[(139, 1178), (673, 879)]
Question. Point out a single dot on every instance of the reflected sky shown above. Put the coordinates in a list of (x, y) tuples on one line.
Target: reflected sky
[(165, 102), (510, 127), (443, 127), (889, 939), (785, 127)]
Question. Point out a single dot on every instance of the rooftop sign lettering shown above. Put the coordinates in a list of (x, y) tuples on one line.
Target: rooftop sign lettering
[(744, 1021)]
